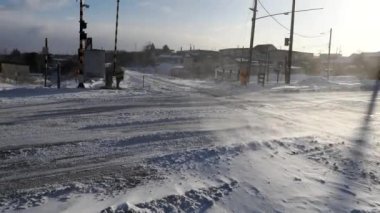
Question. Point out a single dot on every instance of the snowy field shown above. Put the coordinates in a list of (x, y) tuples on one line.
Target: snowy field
[(190, 146)]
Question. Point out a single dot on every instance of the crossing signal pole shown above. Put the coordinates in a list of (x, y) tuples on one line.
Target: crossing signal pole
[(82, 41)]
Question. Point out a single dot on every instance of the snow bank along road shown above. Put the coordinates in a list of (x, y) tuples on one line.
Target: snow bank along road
[(179, 147)]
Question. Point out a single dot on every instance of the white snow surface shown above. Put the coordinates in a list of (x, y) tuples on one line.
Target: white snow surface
[(177, 145)]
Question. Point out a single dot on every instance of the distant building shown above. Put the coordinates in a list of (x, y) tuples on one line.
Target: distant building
[(265, 55), (199, 63), (363, 65), (335, 59), (15, 71), (234, 53), (170, 59), (195, 63), (371, 59), (198, 53), (324, 56), (170, 64), (366, 64)]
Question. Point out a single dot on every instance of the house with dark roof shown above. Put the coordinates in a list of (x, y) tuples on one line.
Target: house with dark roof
[(266, 55)]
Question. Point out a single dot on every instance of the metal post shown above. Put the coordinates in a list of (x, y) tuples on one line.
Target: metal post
[(328, 60), (46, 51), (254, 9), (290, 54), (115, 51)]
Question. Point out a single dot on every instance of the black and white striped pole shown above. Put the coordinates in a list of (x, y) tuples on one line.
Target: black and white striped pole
[(82, 40)]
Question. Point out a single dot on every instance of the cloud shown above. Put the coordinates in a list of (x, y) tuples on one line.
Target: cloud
[(23, 27), (35, 5), (71, 18), (166, 9), (145, 4), (27, 33), (45, 4), (154, 5)]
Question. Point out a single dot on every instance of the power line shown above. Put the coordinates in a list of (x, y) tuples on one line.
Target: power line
[(286, 28), (315, 45)]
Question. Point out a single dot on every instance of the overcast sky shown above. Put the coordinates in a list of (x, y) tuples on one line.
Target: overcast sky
[(207, 24)]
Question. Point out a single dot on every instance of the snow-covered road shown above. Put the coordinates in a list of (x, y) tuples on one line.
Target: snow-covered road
[(180, 145)]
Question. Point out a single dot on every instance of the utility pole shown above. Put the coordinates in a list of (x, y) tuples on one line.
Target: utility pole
[(59, 75), (328, 60), (241, 64), (254, 9), (242, 55), (82, 41), (267, 66), (46, 52), (115, 51), (290, 54), (285, 67)]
